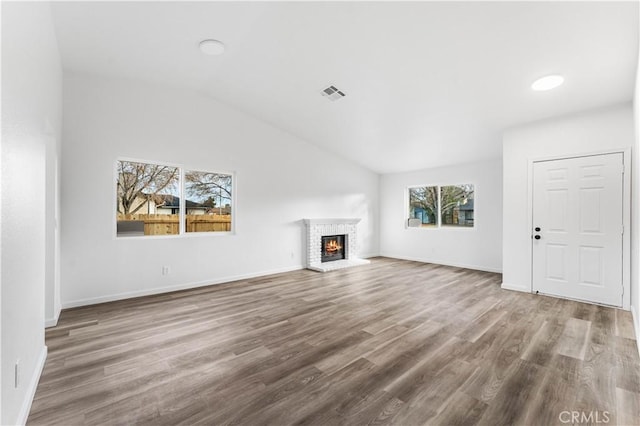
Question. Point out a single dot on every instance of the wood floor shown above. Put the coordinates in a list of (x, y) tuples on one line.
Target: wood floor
[(394, 342)]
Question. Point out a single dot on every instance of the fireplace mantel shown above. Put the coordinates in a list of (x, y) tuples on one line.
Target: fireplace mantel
[(346, 221), (317, 228)]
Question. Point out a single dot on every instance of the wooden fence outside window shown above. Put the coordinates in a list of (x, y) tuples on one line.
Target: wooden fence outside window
[(168, 224)]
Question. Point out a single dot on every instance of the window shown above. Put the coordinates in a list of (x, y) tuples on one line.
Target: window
[(457, 205), (423, 205), (441, 206), (208, 201), (150, 201)]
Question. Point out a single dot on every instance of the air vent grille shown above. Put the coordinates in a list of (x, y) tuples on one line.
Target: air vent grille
[(333, 93)]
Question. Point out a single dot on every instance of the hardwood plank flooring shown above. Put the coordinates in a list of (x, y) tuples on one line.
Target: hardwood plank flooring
[(393, 342)]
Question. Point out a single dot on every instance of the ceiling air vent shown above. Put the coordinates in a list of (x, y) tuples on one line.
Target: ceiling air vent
[(333, 93)]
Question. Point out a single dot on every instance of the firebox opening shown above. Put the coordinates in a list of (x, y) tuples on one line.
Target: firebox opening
[(333, 247)]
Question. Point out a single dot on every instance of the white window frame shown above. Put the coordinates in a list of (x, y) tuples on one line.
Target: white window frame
[(407, 208), (438, 226), (183, 201), (182, 215)]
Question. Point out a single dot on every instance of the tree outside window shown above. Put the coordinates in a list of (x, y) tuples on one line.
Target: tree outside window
[(150, 200), (439, 206), (208, 201), (423, 205), (457, 205)]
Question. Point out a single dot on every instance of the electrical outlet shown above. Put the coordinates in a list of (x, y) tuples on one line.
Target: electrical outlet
[(166, 270), (17, 374)]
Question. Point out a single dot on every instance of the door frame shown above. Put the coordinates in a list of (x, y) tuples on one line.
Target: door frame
[(626, 214)]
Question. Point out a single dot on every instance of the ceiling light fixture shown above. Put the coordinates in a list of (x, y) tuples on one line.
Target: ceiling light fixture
[(547, 83), (211, 47)]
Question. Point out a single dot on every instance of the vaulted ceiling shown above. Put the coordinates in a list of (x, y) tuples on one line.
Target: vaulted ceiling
[(427, 83)]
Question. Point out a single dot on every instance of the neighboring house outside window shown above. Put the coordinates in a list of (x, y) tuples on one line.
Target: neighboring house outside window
[(436, 206), (149, 200)]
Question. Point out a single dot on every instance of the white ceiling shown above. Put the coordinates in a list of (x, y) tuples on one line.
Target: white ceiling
[(427, 83)]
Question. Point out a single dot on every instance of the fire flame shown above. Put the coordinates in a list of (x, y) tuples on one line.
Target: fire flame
[(332, 246)]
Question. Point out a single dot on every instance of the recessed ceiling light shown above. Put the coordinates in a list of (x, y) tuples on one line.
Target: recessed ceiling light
[(547, 83), (211, 47)]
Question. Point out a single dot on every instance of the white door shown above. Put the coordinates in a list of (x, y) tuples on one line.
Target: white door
[(577, 228)]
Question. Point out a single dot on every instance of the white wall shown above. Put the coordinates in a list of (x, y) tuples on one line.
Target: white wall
[(280, 180), (31, 124), (635, 208), (588, 132), (476, 248), (53, 150)]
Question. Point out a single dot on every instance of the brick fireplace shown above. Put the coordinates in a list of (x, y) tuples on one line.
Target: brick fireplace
[(316, 245)]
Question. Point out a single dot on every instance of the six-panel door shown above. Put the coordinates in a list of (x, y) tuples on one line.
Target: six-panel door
[(577, 207)]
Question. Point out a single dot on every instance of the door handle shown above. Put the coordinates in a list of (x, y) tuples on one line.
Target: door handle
[(537, 237)]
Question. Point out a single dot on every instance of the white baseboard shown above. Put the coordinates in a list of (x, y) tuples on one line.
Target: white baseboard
[(177, 287), (52, 322), (507, 286), (368, 255), (31, 390), (636, 326), (445, 263)]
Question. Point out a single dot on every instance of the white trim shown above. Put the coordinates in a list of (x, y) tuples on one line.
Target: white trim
[(368, 255), (31, 390), (339, 221), (636, 326), (52, 322), (626, 212), (513, 287), (454, 228), (182, 213), (177, 287), (174, 236), (439, 262)]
